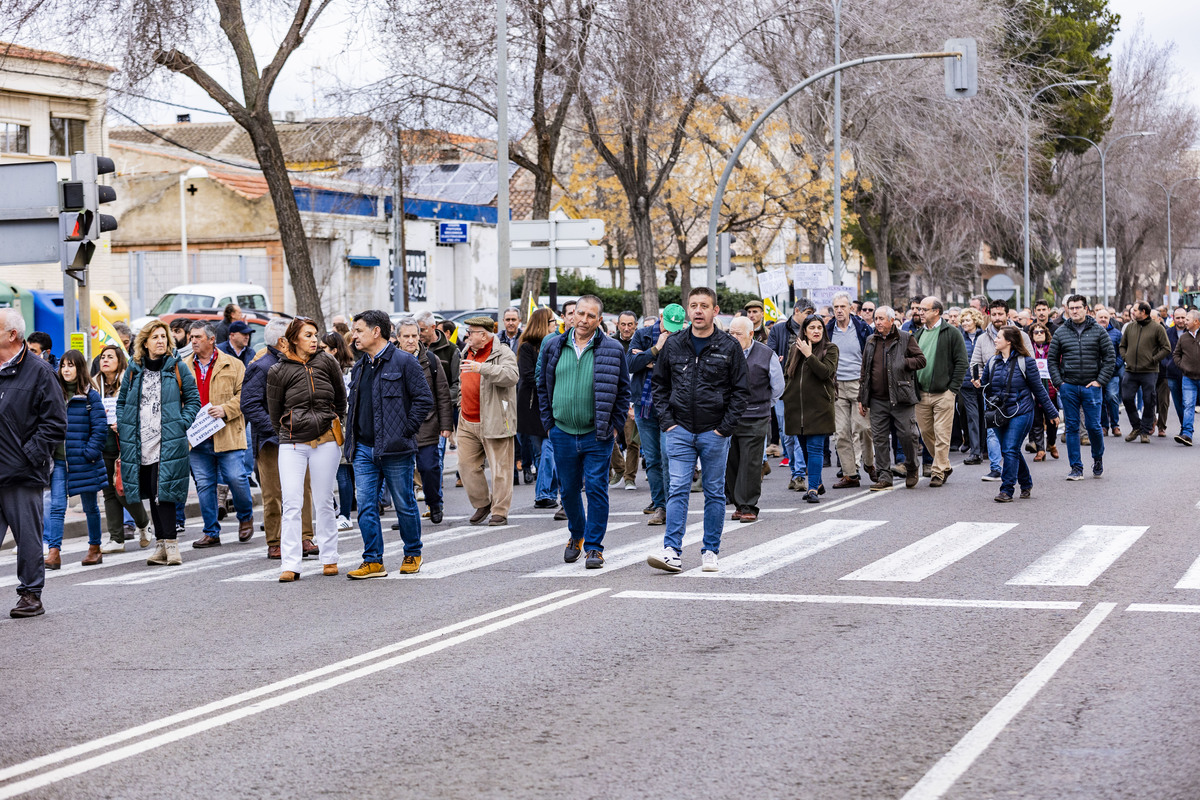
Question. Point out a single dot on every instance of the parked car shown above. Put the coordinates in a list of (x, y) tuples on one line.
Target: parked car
[(206, 296), (257, 323)]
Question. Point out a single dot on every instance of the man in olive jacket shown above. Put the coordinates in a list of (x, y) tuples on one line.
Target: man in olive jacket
[(1144, 344), (888, 390), (939, 381)]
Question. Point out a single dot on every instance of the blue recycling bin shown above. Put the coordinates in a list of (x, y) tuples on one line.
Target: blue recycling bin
[(48, 317)]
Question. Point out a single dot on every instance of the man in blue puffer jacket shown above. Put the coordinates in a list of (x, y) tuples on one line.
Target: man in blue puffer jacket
[(583, 395)]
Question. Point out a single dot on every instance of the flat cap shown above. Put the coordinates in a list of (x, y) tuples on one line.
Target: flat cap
[(487, 323)]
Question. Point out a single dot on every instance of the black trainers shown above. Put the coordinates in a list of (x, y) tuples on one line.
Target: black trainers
[(594, 560), (1097, 467), (1076, 474), (435, 515), (545, 503), (573, 551)]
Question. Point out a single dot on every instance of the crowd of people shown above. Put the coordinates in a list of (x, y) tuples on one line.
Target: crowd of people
[(334, 424)]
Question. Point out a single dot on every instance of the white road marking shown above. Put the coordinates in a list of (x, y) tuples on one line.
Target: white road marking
[(852, 600), (852, 502), (930, 555), (251, 708), (624, 556), (153, 575), (1170, 608), (938, 780), (778, 553), (833, 504), (487, 556), (1191, 578), (1081, 557)]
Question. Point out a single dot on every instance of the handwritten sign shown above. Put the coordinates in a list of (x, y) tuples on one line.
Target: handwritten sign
[(824, 295), (204, 426), (810, 276), (772, 282), (110, 410)]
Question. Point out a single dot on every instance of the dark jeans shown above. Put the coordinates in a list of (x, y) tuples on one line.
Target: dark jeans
[(974, 420), (1074, 398), (743, 467), (210, 468), (345, 487), (658, 473), (582, 462), (21, 512), (1015, 470), (813, 448), (58, 509), (1044, 433), (113, 506), (1146, 381), (397, 473), (884, 418), (161, 512), (429, 464)]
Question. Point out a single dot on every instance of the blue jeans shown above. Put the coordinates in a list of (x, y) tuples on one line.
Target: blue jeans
[(547, 486), (210, 468), (1074, 397), (396, 473), (1176, 387), (249, 453), (1012, 438), (345, 488), (1110, 416), (813, 448), (683, 448), (1189, 389), (582, 462), (791, 446), (658, 474), (993, 448), (53, 533)]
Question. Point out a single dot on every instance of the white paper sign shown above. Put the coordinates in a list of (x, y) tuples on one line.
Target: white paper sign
[(810, 276), (204, 426), (110, 410), (772, 282), (824, 295)]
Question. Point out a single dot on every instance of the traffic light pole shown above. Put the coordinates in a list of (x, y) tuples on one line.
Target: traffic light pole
[(715, 214)]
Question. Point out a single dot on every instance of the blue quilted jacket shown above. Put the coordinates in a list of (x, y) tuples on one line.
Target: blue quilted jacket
[(401, 401), (611, 388), (87, 430)]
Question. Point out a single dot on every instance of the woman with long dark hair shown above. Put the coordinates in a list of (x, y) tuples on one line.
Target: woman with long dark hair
[(306, 398), (112, 366), (1012, 386), (808, 398), (338, 349), (157, 404), (529, 416), (78, 461)]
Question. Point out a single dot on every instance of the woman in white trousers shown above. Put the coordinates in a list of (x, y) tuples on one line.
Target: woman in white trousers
[(306, 398)]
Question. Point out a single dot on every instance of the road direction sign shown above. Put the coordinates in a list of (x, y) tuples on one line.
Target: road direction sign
[(29, 213), (538, 230), (564, 257)]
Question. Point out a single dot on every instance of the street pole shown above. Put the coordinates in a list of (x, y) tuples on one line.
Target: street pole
[(1103, 151), (1170, 190), (715, 214), (183, 229), (1028, 113), (504, 274), (836, 248)]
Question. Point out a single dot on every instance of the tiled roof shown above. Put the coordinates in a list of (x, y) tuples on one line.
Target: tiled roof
[(312, 141), (9, 50)]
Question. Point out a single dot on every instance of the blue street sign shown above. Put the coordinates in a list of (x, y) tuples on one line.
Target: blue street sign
[(452, 233)]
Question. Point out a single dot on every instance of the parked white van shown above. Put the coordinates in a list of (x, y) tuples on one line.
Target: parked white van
[(215, 296)]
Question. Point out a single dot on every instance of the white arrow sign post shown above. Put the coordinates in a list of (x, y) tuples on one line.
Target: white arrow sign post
[(562, 248)]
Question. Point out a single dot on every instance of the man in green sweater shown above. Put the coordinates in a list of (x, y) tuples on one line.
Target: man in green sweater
[(939, 381)]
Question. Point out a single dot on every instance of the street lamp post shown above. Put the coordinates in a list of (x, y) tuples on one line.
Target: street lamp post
[(195, 173), (836, 250), (1103, 151), (1170, 190), (1028, 112)]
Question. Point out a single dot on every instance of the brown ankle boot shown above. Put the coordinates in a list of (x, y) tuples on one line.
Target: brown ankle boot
[(93, 556), (53, 559)]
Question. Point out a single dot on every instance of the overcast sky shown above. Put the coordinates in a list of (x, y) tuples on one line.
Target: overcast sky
[(326, 58)]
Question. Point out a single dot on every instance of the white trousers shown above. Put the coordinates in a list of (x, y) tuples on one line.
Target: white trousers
[(321, 462)]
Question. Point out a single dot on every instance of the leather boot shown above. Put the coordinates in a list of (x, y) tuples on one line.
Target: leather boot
[(93, 556), (173, 557), (159, 557), (53, 559)]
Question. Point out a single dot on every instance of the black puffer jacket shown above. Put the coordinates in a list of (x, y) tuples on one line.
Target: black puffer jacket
[(1080, 354), (304, 399), (702, 392)]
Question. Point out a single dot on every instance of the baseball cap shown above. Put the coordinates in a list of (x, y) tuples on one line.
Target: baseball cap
[(237, 326), (673, 317)]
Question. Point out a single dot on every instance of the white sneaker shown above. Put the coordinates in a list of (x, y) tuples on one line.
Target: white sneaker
[(144, 536), (668, 561), (420, 495), (630, 486), (708, 561), (344, 524), (113, 547)]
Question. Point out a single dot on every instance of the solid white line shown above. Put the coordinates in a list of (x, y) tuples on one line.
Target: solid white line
[(1191, 578), (1081, 557), (505, 551), (624, 556), (777, 553), (932, 554), (951, 766), (1165, 607), (853, 600), (243, 697), (833, 504)]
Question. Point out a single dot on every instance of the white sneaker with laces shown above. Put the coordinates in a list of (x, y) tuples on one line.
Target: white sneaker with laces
[(344, 524), (668, 561), (708, 561), (113, 547)]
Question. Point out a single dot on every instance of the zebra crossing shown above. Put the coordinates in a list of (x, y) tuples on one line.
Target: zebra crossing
[(1072, 559)]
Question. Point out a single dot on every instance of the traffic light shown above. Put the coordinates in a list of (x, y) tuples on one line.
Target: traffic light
[(725, 253), (80, 220)]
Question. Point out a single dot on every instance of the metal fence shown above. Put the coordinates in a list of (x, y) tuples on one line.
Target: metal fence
[(152, 274)]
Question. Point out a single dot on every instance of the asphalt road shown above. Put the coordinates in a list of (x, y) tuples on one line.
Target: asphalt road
[(909, 644)]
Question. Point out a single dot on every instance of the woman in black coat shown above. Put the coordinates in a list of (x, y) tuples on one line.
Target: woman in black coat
[(529, 417)]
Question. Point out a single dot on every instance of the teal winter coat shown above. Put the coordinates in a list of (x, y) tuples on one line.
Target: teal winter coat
[(179, 410)]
